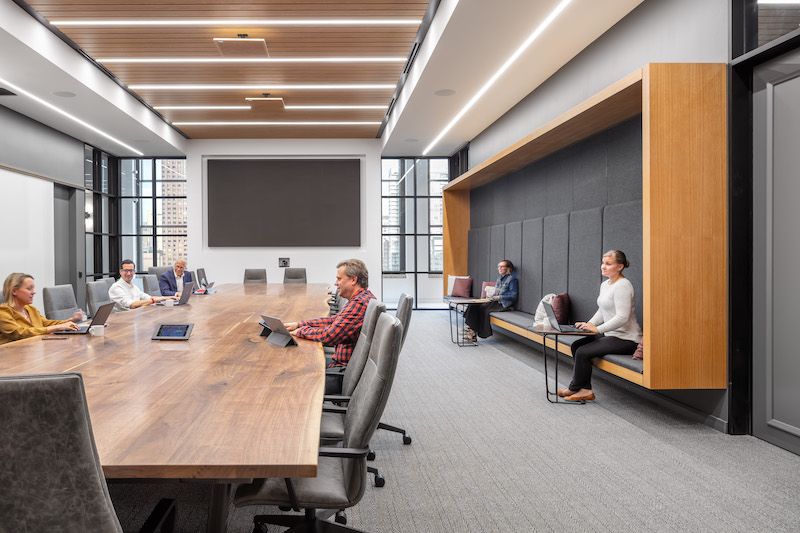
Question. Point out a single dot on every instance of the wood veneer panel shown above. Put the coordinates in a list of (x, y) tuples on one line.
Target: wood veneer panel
[(684, 226), (456, 230), (223, 405)]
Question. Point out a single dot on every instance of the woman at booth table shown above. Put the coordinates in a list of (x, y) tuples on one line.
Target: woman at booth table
[(505, 296), (615, 325), (19, 319)]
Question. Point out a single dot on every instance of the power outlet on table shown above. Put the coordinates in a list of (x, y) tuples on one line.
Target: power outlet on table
[(283, 262)]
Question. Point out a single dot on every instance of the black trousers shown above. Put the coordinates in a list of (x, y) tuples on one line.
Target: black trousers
[(589, 347), (477, 317)]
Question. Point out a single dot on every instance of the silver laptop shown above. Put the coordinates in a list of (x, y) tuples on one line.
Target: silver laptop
[(185, 295), (100, 318), (563, 328)]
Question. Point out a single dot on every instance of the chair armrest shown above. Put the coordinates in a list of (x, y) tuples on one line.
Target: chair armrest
[(336, 398), (346, 453), (334, 409), (336, 371)]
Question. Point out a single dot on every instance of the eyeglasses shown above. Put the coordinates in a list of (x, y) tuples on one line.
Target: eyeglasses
[(128, 270)]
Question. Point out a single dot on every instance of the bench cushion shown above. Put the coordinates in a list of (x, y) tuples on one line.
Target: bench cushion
[(626, 361)]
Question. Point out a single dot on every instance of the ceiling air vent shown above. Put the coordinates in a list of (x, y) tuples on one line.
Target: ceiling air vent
[(6, 92), (411, 57)]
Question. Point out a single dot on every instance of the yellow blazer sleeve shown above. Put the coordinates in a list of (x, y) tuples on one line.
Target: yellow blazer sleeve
[(14, 326)]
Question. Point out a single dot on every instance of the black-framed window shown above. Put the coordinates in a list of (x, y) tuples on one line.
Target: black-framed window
[(100, 213), (757, 23), (411, 228), (153, 211)]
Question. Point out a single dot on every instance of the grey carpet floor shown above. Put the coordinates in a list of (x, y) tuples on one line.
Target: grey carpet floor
[(489, 453)]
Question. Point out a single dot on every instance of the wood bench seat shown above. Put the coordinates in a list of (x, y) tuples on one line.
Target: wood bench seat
[(520, 323)]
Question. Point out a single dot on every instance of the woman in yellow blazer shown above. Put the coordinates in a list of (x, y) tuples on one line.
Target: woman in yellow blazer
[(19, 319)]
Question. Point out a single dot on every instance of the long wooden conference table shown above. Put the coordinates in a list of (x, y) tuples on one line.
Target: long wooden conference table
[(223, 407)]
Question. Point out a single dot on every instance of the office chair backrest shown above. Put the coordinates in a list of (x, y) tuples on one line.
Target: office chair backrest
[(157, 271), (53, 477), (202, 280), (294, 275), (255, 275), (59, 302), (150, 285), (355, 366), (109, 281), (366, 405), (404, 307), (96, 295)]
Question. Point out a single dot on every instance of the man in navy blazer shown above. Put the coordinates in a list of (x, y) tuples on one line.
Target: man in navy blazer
[(168, 283)]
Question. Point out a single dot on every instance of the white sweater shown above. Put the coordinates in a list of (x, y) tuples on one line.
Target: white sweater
[(616, 316)]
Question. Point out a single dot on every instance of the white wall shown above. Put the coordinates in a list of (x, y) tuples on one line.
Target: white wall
[(226, 265), (28, 244)]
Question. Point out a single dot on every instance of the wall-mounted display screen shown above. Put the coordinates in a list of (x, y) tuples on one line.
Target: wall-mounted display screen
[(283, 202)]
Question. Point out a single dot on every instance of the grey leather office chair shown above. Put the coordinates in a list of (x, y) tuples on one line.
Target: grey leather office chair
[(294, 275), (255, 275), (157, 271), (96, 295), (110, 281), (59, 302), (350, 374), (342, 472), (53, 478), (201, 280), (404, 307), (150, 285)]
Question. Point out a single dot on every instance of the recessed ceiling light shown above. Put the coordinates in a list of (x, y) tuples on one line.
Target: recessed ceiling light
[(64, 94), (335, 107), (252, 60), (283, 123), (266, 86), (445, 92), (247, 23), (411, 140), (69, 116), (532, 37), (202, 107)]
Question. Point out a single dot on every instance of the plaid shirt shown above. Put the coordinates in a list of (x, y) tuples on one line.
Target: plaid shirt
[(342, 329)]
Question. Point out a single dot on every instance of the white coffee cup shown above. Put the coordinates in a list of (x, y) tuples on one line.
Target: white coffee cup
[(97, 331)]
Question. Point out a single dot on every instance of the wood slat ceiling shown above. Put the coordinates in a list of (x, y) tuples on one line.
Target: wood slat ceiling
[(106, 42)]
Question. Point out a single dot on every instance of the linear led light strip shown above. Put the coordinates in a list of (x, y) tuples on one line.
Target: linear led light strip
[(184, 87), (510, 61), (247, 107), (223, 22), (83, 123), (276, 123), (252, 60)]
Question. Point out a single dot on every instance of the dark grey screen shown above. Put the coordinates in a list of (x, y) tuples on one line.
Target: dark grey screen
[(284, 202)]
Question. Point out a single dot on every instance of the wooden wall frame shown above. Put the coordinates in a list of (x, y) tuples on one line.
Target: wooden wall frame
[(684, 188)]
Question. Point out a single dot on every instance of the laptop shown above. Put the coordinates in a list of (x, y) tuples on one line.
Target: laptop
[(100, 319), (563, 328), (185, 295), (275, 332)]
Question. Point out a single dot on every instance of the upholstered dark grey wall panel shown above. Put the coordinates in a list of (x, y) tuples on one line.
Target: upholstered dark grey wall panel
[(590, 184), (480, 200), (625, 161), (535, 192), (585, 251), (622, 230), (497, 246), (559, 182), (472, 257), (555, 258), (514, 208), (530, 270), (486, 270), (513, 250)]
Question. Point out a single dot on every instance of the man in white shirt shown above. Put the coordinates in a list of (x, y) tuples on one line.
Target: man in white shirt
[(126, 295)]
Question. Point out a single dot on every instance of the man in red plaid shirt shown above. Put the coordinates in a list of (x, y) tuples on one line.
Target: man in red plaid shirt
[(343, 328)]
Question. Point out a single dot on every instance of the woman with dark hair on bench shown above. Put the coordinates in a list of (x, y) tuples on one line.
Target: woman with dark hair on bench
[(506, 291), (617, 330)]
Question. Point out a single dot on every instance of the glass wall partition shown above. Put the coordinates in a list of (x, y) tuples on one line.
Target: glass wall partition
[(411, 229)]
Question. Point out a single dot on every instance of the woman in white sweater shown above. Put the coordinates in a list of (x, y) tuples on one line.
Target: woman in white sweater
[(615, 325)]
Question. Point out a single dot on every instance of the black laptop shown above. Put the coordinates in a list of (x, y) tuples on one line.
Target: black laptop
[(100, 319), (563, 328)]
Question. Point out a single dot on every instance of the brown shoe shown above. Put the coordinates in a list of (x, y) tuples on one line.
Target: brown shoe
[(580, 397), (566, 392)]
